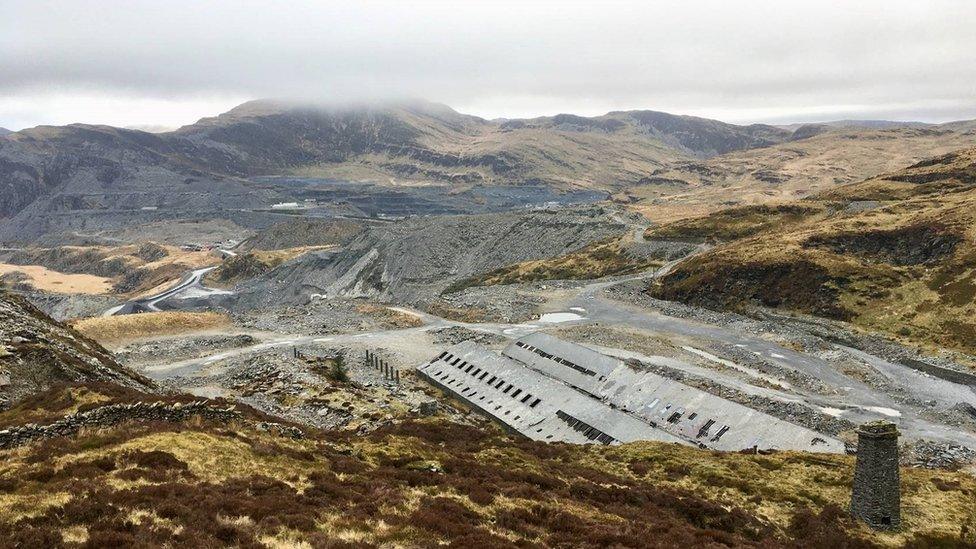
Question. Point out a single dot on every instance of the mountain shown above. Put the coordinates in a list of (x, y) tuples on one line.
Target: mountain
[(895, 254), (5, 131), (85, 178), (37, 352)]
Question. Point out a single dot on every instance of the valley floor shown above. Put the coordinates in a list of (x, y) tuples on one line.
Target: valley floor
[(775, 365)]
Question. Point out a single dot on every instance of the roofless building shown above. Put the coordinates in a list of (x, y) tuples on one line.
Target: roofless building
[(552, 390)]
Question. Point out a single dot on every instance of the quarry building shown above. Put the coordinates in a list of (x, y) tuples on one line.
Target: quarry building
[(550, 390)]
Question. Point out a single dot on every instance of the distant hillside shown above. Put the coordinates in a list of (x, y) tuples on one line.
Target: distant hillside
[(5, 131), (37, 352), (895, 253), (862, 124), (820, 158)]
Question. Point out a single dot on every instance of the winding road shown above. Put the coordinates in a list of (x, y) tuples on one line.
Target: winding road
[(190, 282)]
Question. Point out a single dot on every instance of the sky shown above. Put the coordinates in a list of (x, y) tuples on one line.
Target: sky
[(161, 64)]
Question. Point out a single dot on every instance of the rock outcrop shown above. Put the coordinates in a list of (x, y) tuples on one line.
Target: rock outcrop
[(37, 352)]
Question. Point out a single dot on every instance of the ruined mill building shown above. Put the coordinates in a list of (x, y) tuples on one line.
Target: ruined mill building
[(552, 390), (875, 496)]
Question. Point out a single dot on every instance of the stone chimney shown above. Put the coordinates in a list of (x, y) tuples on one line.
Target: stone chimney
[(875, 496)]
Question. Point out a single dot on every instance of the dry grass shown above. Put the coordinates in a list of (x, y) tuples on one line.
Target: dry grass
[(211, 457), (427, 483), (14, 507), (597, 260), (459, 314), (127, 269), (48, 280), (116, 329), (390, 317), (788, 171)]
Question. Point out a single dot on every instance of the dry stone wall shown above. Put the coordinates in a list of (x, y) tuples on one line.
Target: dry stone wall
[(115, 414)]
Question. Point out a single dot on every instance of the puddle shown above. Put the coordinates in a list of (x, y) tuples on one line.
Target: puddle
[(200, 291), (207, 391), (745, 369), (890, 412), (833, 412), (554, 318)]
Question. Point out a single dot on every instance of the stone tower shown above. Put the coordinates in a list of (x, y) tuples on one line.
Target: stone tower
[(875, 497)]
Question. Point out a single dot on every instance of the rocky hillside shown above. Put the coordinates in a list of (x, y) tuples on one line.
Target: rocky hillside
[(895, 253), (416, 259), (82, 177), (304, 232), (37, 352)]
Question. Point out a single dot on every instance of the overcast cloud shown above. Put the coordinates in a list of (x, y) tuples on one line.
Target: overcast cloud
[(168, 63)]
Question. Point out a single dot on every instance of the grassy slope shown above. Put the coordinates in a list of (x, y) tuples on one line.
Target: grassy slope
[(245, 266), (604, 258), (426, 482), (303, 231), (906, 267)]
